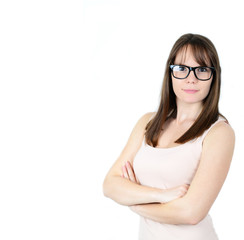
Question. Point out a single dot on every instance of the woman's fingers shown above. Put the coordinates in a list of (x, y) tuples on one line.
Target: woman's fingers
[(128, 172), (125, 173), (137, 181), (183, 189)]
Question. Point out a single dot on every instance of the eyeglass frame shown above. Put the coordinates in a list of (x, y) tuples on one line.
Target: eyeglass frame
[(192, 69)]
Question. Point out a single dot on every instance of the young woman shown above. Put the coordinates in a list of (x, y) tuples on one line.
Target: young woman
[(176, 159)]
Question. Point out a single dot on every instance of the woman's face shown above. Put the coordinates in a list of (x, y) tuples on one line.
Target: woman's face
[(190, 89)]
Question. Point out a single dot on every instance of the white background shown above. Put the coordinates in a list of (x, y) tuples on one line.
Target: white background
[(74, 79)]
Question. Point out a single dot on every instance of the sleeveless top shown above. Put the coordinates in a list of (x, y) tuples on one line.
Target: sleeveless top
[(166, 168)]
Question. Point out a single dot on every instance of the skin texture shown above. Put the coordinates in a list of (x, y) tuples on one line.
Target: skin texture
[(211, 173), (183, 204), (167, 195), (127, 191)]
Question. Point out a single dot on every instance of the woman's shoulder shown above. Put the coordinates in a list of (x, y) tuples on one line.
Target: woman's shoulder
[(137, 134), (147, 117), (219, 140), (221, 129), (143, 121), (222, 125)]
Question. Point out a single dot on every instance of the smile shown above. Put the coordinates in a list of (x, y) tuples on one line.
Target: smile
[(191, 91)]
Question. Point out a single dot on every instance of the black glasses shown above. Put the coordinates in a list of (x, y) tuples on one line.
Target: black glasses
[(201, 73)]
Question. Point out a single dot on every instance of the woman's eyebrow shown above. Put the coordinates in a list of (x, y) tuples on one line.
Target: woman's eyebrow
[(187, 65)]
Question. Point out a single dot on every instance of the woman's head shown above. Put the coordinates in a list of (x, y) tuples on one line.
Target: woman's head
[(191, 81), (203, 54)]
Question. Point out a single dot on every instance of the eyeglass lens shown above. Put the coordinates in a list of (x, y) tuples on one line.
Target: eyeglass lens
[(202, 73)]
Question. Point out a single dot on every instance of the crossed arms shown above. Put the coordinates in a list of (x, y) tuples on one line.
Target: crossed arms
[(183, 204)]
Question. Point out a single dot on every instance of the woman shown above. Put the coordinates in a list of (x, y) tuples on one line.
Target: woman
[(176, 160)]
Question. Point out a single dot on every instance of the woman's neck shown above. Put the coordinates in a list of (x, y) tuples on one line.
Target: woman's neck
[(187, 112)]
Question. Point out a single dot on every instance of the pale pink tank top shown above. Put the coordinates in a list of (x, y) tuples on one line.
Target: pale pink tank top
[(167, 168)]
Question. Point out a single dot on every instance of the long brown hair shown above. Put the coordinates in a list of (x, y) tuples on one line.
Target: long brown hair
[(204, 52)]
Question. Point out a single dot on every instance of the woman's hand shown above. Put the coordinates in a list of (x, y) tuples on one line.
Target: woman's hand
[(173, 193), (164, 195), (128, 173)]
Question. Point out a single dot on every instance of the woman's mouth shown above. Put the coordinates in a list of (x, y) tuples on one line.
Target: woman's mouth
[(190, 91)]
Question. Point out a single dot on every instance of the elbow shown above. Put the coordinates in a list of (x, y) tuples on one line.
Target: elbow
[(110, 191), (105, 188), (192, 215), (195, 217), (108, 188), (193, 221)]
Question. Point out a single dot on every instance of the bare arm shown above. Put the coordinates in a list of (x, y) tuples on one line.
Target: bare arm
[(214, 165), (125, 190), (120, 189)]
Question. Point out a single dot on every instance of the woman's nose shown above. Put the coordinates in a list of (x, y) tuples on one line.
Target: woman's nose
[(191, 78)]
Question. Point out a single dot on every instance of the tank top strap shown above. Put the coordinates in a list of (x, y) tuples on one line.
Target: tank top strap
[(220, 119)]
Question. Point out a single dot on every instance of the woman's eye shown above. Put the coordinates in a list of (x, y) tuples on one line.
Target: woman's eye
[(202, 69), (181, 68)]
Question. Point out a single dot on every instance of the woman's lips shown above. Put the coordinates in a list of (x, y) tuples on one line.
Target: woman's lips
[(190, 90)]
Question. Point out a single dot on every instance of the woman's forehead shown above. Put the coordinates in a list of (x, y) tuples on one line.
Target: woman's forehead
[(189, 53)]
